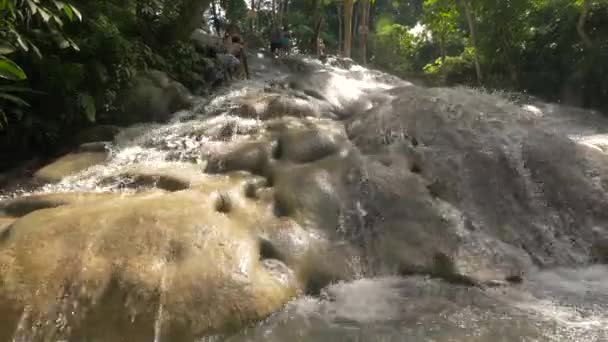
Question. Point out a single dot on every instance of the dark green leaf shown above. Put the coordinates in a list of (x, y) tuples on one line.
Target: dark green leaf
[(73, 44), (58, 20), (20, 40), (6, 49), (87, 102), (36, 50), (63, 44), (11, 71), (15, 99), (46, 16), (76, 12), (33, 7), (17, 89), (68, 12), (3, 120)]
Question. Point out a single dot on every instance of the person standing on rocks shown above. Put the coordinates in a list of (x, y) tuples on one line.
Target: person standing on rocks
[(276, 37), (234, 44), (285, 41)]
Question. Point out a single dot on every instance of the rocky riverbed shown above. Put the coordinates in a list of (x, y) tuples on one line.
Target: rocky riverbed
[(319, 202)]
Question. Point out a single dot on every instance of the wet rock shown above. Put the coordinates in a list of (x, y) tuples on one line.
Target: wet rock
[(206, 42), (95, 134), (97, 146), (395, 309), (69, 164), (340, 62), (154, 97), (273, 106), (5, 222), (252, 157), (599, 250), (24, 205), (526, 191), (148, 181), (171, 254), (308, 145)]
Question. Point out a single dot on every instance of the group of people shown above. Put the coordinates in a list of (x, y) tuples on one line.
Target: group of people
[(234, 57)]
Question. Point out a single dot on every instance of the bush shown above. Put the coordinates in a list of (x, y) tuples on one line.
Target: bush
[(453, 70), (395, 48)]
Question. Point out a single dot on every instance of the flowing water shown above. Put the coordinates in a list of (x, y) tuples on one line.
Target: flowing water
[(322, 203)]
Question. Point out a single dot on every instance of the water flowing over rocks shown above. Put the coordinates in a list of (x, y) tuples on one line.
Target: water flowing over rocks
[(319, 202)]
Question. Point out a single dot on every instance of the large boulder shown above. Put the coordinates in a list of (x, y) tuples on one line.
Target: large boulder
[(176, 265), (206, 42), (153, 97)]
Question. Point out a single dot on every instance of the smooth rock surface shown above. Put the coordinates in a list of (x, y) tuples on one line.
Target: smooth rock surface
[(179, 260), (70, 164), (403, 212)]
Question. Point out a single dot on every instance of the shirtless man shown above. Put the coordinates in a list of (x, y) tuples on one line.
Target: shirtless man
[(235, 46)]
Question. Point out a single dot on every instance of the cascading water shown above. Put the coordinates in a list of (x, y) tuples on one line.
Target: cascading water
[(322, 203)]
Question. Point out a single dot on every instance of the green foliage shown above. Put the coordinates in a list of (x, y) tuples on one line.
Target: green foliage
[(440, 16), (23, 25), (183, 63), (22, 22), (82, 55), (453, 69), (10, 70), (395, 47), (526, 45), (406, 13), (87, 103), (236, 10)]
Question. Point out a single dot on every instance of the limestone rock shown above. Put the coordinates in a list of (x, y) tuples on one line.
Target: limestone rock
[(599, 250), (95, 134), (24, 205), (4, 223), (69, 164), (153, 97), (205, 41), (179, 259)]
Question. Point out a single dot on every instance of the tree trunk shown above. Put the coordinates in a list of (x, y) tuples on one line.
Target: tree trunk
[(472, 32), (252, 19), (364, 30), (340, 33), (273, 16), (580, 27), (355, 26), (189, 18), (348, 27), (510, 57), (317, 22), (284, 7)]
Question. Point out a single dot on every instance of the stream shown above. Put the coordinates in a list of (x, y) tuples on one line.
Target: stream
[(320, 202)]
